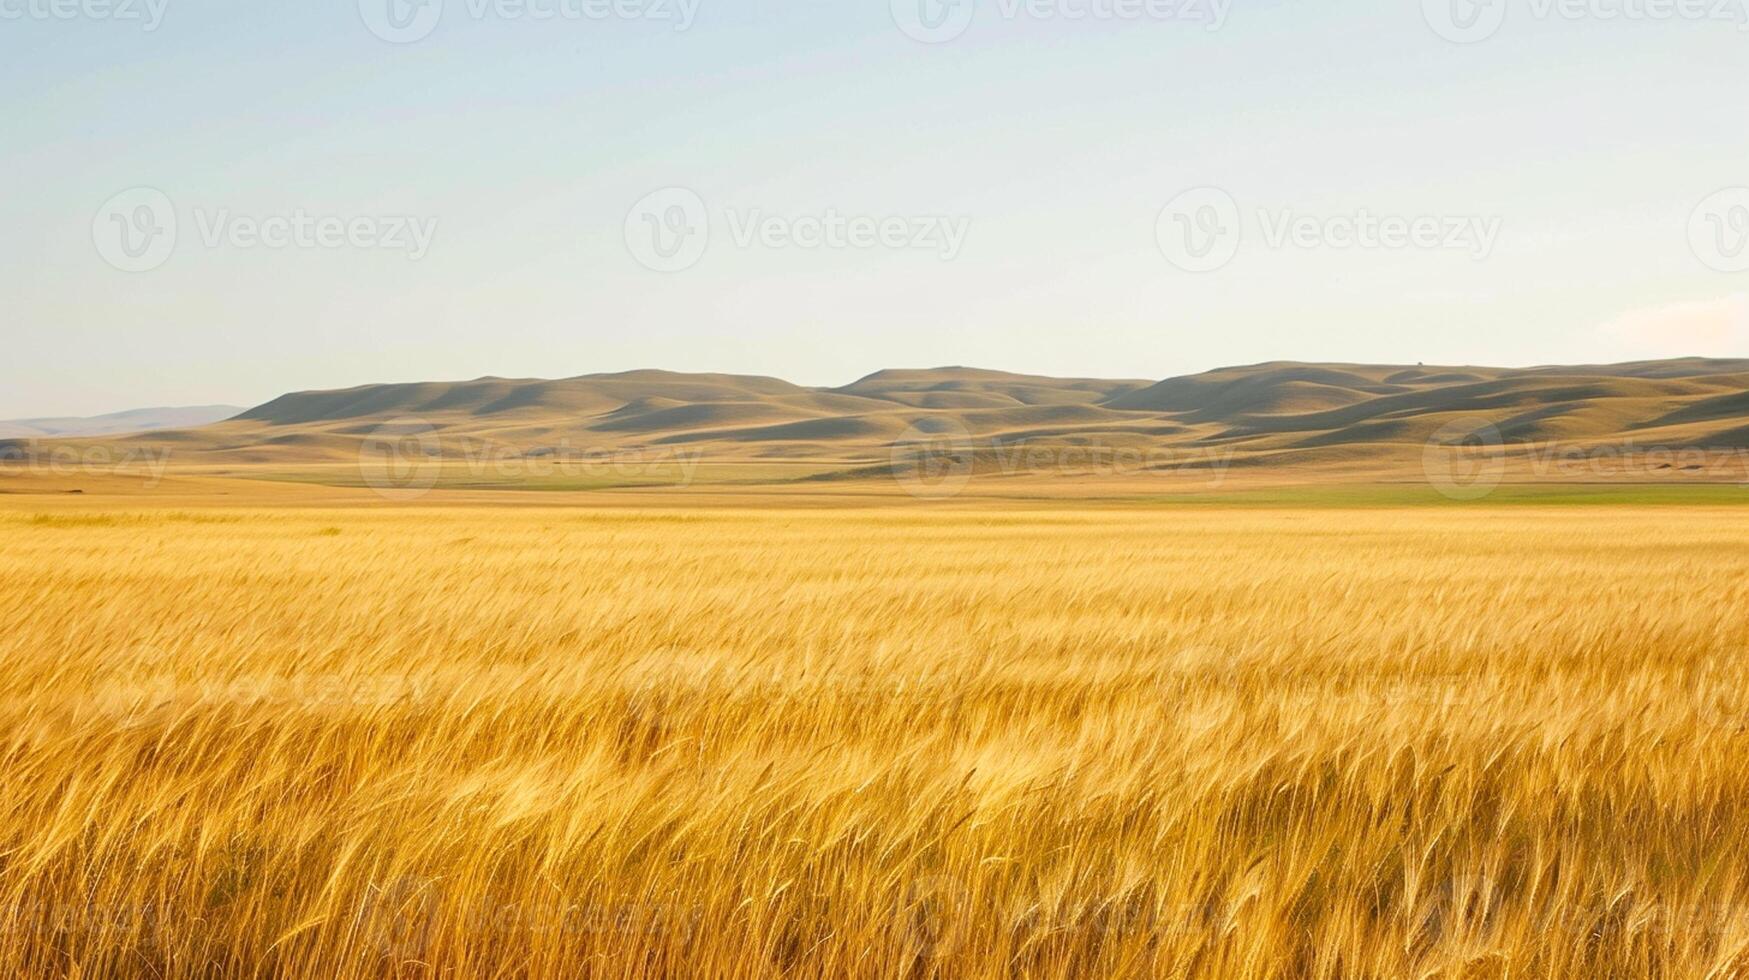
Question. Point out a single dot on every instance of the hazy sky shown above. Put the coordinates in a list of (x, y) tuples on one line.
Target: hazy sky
[(884, 185)]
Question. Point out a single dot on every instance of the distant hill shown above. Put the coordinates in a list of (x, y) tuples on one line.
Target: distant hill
[(1364, 418), (118, 423)]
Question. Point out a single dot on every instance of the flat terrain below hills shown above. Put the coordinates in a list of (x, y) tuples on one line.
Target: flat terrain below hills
[(1678, 421)]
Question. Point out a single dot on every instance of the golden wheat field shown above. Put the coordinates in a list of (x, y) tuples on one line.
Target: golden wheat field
[(551, 741)]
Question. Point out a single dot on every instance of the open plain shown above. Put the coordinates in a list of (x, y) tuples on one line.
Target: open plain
[(298, 736)]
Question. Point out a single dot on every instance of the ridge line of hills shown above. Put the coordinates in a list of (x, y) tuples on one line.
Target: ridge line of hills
[(1275, 413), (118, 423)]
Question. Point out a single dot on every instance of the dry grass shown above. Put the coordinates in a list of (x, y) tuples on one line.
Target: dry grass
[(552, 742)]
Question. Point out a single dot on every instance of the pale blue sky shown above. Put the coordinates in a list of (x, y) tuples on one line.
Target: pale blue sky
[(1590, 142)]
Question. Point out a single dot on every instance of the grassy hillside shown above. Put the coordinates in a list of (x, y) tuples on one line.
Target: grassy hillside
[(1348, 421)]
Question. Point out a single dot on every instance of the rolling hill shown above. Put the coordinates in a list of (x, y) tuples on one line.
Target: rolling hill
[(118, 423), (1351, 420)]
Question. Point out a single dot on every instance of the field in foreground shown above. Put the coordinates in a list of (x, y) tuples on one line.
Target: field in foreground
[(562, 742)]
